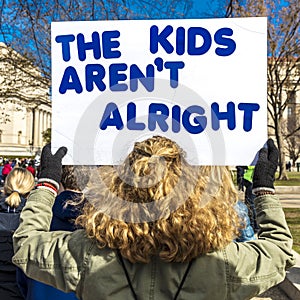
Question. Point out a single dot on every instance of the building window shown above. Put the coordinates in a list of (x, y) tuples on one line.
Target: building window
[(290, 111), (19, 137), (291, 97)]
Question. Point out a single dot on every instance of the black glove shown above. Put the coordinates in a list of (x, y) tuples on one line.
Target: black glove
[(264, 172), (51, 166)]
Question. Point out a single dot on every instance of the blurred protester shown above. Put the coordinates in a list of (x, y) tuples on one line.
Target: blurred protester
[(249, 196), (19, 182), (24, 163), (1, 176), (6, 169), (246, 232), (240, 170), (15, 163), (69, 202), (31, 167)]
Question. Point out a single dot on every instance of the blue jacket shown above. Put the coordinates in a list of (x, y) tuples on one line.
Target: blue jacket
[(247, 233), (64, 214), (63, 218)]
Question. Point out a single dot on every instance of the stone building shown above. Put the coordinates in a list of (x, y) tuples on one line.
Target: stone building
[(284, 104), (25, 106)]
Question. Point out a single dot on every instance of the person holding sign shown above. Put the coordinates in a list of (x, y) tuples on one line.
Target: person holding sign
[(156, 227)]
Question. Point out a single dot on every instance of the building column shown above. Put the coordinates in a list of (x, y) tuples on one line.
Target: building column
[(45, 120), (36, 127), (49, 125), (29, 124), (40, 140)]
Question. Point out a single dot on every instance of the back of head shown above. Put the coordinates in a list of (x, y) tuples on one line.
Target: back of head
[(19, 182), (74, 177), (155, 203), (31, 163)]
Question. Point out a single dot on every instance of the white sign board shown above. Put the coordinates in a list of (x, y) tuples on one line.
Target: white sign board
[(200, 82)]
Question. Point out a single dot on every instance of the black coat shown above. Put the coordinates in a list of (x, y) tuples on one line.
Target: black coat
[(9, 221)]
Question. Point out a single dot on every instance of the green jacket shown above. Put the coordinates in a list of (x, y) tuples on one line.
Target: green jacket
[(72, 262), (248, 175)]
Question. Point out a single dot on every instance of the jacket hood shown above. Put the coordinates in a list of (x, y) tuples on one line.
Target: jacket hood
[(65, 213), (5, 208)]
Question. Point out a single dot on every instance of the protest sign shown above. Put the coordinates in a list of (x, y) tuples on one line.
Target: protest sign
[(200, 82)]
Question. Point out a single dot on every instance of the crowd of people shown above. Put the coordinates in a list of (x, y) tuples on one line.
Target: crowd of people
[(153, 227), (6, 165)]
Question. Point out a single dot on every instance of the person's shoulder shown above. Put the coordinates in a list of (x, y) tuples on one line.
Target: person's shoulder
[(69, 195), (62, 196), (79, 242), (3, 204), (5, 208), (65, 193), (22, 204)]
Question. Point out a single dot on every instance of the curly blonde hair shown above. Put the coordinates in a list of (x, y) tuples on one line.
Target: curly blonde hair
[(177, 211), (19, 182)]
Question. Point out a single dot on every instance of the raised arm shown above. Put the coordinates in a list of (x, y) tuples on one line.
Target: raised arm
[(43, 255), (260, 264)]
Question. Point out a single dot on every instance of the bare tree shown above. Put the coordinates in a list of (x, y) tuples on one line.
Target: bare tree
[(25, 24), (293, 148), (25, 29), (283, 60), (292, 128)]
